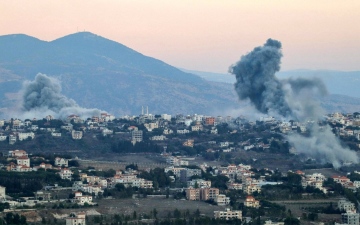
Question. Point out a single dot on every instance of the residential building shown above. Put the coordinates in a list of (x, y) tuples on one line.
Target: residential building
[(184, 131), (166, 117), (158, 138), (136, 136), (77, 135), (228, 214), (23, 160), (189, 143), (221, 199), (269, 222), (24, 136), (12, 139), (2, 193), (210, 121), (17, 153), (65, 173), (250, 201), (345, 205), (350, 218), (202, 194), (187, 173), (78, 218), (82, 199), (61, 162), (199, 183)]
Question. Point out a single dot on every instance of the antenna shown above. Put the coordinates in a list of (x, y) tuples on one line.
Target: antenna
[(142, 110), (147, 110)]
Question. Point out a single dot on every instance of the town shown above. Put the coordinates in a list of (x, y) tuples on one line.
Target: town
[(164, 169)]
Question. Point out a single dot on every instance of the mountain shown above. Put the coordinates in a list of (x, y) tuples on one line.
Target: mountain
[(98, 72)]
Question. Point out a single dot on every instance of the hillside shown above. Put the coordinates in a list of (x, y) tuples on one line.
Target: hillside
[(98, 72)]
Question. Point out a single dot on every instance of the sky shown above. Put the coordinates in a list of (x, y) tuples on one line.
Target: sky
[(203, 35)]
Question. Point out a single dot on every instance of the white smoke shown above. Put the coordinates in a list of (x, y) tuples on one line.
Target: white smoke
[(42, 97)]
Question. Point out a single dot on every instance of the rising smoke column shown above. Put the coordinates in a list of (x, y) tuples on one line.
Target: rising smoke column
[(255, 79), (45, 93), (292, 99), (42, 97)]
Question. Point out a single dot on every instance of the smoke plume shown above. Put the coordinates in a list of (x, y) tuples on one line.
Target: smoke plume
[(42, 97), (289, 99)]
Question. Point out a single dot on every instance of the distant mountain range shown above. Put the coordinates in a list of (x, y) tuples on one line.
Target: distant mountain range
[(98, 72)]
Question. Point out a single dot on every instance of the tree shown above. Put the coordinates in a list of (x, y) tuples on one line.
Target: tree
[(291, 221)]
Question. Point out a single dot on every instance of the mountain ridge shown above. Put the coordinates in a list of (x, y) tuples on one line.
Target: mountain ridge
[(102, 73)]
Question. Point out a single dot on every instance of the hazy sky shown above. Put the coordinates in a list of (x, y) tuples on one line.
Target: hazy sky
[(205, 35)]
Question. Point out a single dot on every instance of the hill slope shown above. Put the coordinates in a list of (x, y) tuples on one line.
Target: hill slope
[(97, 72)]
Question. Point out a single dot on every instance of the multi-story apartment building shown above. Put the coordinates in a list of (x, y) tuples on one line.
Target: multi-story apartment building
[(228, 214)]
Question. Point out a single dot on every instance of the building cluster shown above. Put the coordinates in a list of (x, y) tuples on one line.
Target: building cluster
[(23, 163)]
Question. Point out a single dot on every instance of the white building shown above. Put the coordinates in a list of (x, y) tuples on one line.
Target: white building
[(82, 199), (23, 160), (228, 214), (61, 162), (76, 219), (2, 193), (221, 199), (77, 135), (65, 173), (136, 135), (166, 117)]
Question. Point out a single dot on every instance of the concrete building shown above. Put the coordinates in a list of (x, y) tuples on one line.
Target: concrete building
[(228, 214), (24, 136), (201, 194), (2, 193), (61, 162), (250, 201), (76, 219), (187, 173), (23, 160), (65, 173), (77, 135), (350, 218), (222, 200), (82, 199), (136, 136), (345, 205)]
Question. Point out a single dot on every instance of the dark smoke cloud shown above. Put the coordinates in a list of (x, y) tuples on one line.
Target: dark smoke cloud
[(42, 97), (255, 79), (45, 92), (290, 99)]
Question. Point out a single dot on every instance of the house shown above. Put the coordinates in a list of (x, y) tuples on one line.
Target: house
[(23, 160), (82, 199), (61, 162), (17, 153), (189, 143), (76, 219), (250, 201), (24, 136), (77, 135), (199, 183), (65, 173), (222, 200)]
